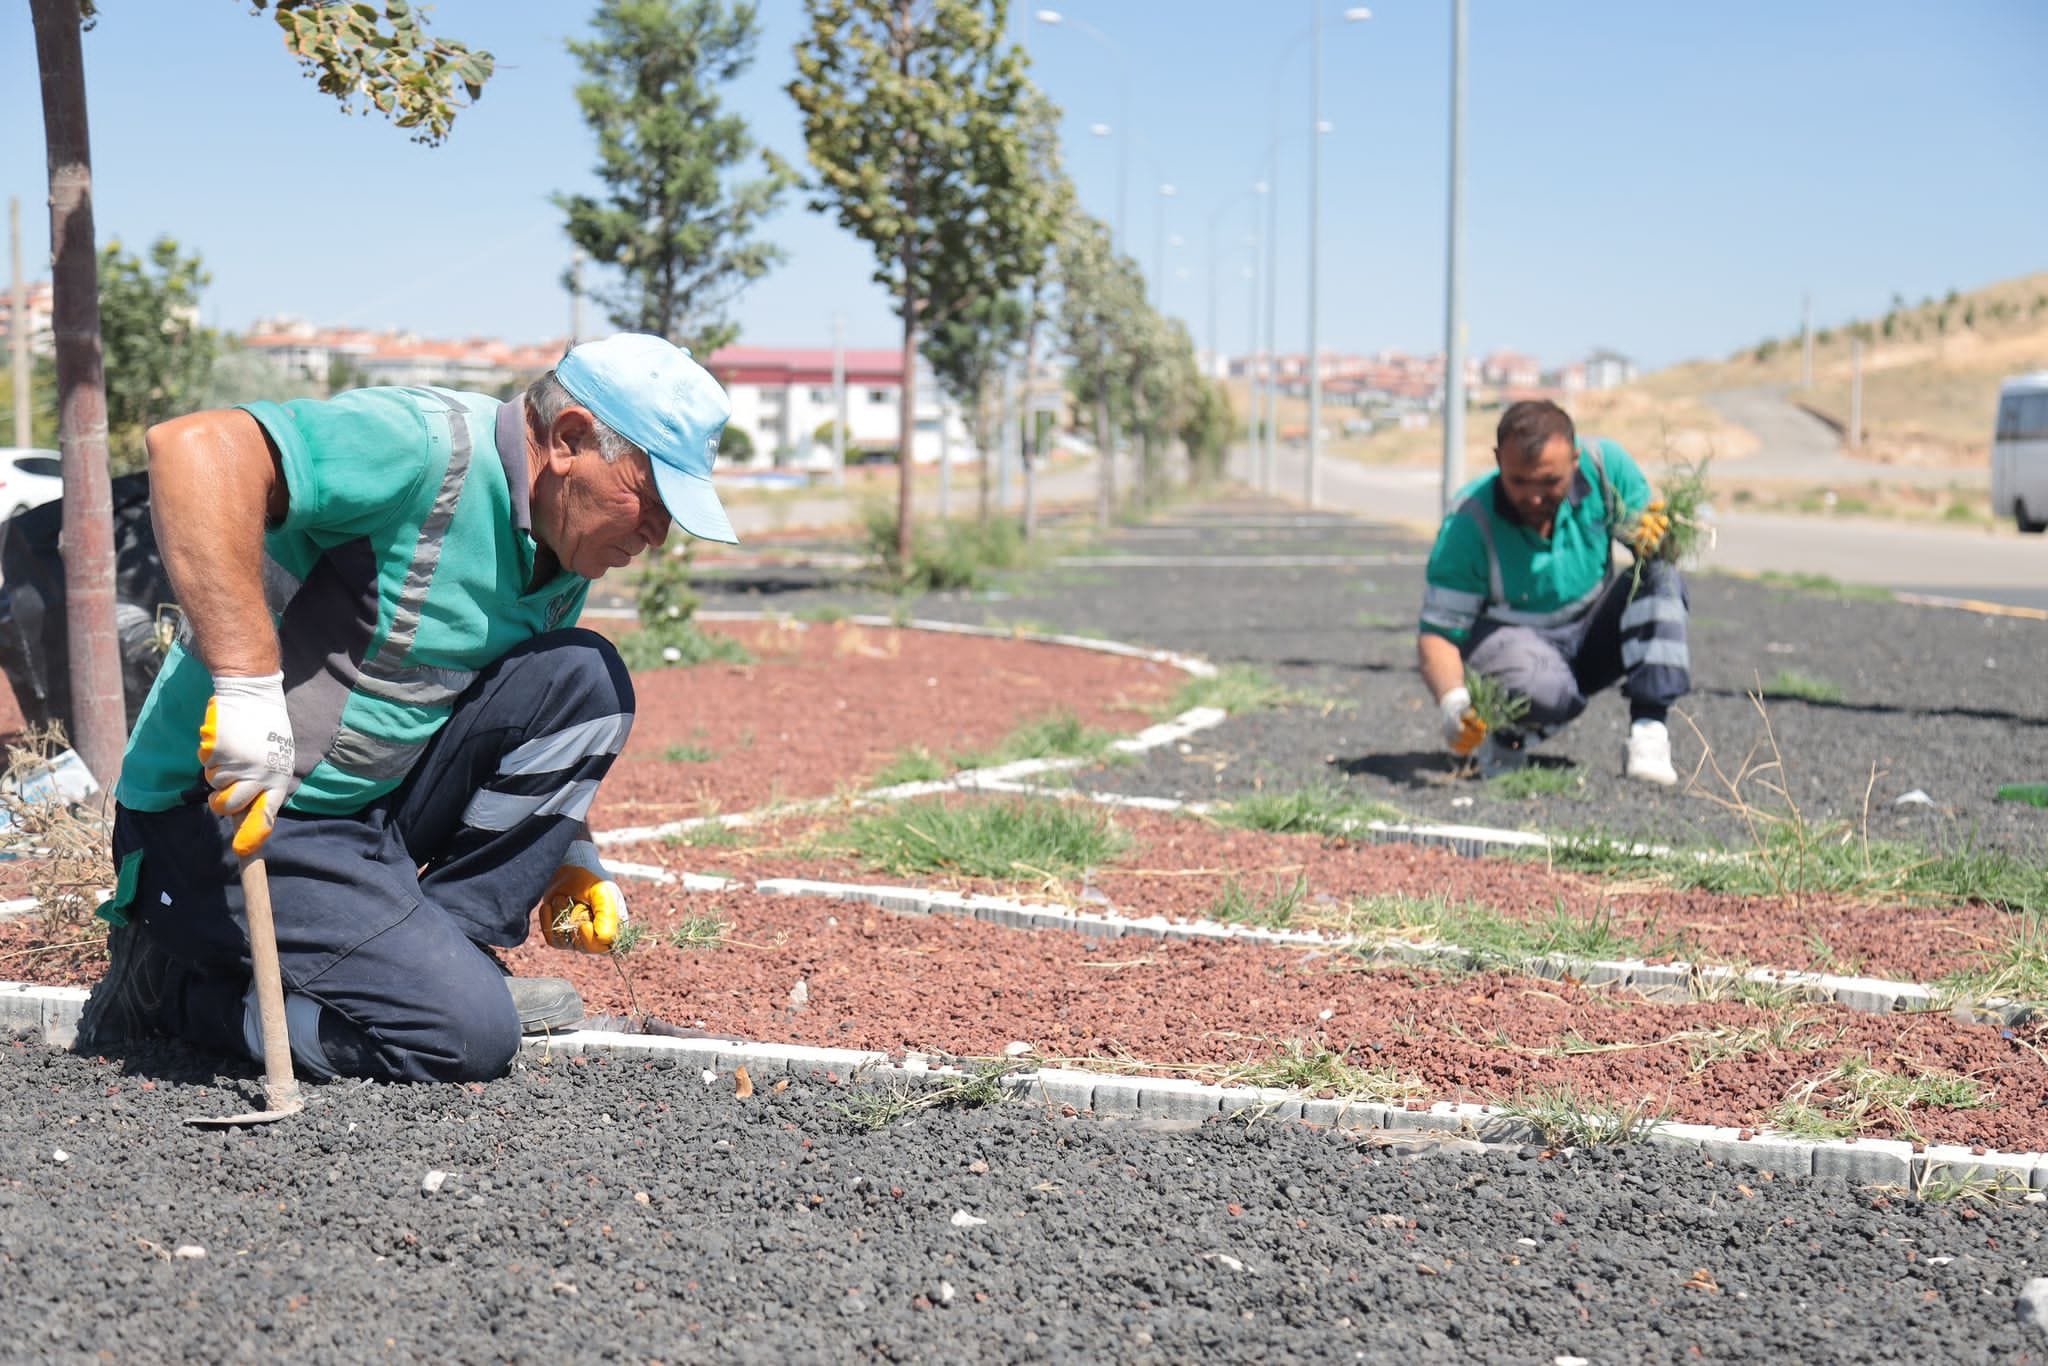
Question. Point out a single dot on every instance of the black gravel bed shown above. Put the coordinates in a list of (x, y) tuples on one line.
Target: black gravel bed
[(1941, 703), (621, 1209)]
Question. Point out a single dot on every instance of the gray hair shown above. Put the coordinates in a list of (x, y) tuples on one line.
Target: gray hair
[(547, 396)]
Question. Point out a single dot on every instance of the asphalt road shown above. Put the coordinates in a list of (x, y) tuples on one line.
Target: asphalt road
[(1999, 567)]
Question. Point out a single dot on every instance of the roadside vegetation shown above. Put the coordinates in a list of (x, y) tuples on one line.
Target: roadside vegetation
[(1007, 840)]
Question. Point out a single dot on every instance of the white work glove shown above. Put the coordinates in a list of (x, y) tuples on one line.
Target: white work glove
[(1463, 730), (245, 745)]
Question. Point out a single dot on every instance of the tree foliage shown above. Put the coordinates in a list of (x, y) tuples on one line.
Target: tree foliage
[(1134, 368), (383, 56), (158, 355), (675, 224), (911, 112)]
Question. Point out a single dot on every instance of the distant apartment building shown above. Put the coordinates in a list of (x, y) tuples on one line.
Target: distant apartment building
[(358, 356), (1511, 370), (782, 398), (37, 300), (1608, 370)]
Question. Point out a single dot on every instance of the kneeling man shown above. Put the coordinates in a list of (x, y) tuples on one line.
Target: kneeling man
[(1523, 589)]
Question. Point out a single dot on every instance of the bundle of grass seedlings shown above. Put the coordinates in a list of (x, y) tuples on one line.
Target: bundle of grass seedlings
[(1684, 491), (1500, 709)]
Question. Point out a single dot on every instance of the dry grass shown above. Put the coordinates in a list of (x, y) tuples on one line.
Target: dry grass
[(69, 847)]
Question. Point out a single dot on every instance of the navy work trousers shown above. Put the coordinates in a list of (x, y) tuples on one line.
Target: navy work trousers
[(381, 914), (1633, 634)]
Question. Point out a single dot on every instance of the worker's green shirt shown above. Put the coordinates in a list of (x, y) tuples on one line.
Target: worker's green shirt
[(1538, 581), (400, 571)]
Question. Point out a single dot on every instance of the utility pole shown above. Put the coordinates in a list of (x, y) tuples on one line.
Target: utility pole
[(17, 327), (1856, 394), (1272, 334), (1806, 342), (1454, 324), (1251, 371), (1315, 215), (838, 401)]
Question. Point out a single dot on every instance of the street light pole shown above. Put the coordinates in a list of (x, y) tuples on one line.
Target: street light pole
[(1272, 346), (1315, 219), (1454, 327), (1053, 18), (1166, 192), (1315, 215)]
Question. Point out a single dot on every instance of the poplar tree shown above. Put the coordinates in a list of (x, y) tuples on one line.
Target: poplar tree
[(911, 113), (676, 223)]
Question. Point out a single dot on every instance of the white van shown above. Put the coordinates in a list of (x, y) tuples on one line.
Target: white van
[(2019, 453)]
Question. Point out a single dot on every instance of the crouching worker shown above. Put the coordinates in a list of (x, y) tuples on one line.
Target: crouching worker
[(1523, 589), (381, 694)]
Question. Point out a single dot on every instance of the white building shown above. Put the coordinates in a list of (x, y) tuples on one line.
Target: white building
[(783, 399)]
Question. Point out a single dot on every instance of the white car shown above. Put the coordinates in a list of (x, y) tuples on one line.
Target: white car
[(28, 478)]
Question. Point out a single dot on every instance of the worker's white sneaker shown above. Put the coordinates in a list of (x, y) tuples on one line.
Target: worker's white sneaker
[(1496, 759), (1649, 754)]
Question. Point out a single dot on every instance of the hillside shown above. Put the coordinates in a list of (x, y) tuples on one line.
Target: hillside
[(1931, 371)]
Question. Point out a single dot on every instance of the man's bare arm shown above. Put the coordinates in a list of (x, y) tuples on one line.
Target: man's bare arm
[(1443, 668), (214, 483)]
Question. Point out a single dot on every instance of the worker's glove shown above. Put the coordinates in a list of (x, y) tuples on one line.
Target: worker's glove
[(1649, 531), (1463, 730), (582, 909), (245, 745)]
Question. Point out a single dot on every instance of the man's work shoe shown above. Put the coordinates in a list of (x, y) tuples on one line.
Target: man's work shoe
[(546, 1005), (1649, 754), (1497, 757), (128, 1001)]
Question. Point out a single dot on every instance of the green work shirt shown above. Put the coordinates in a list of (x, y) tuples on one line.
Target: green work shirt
[(1517, 576), (403, 568)]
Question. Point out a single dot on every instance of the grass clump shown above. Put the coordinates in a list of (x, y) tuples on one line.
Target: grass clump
[(1791, 859), (1791, 683), (1861, 1097), (1234, 688), (1310, 811), (1315, 1068), (913, 765), (873, 1109), (944, 555), (1566, 1118), (710, 835), (996, 839), (1274, 912), (1538, 780), (2016, 970), (1823, 585), (1057, 735), (1491, 940), (669, 636)]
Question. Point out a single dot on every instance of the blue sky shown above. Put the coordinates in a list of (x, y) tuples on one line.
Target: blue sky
[(1663, 179)]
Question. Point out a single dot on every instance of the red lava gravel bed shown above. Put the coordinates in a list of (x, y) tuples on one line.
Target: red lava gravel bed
[(1179, 866), (877, 980), (825, 707)]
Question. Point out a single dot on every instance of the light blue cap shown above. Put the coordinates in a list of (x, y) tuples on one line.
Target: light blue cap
[(648, 390)]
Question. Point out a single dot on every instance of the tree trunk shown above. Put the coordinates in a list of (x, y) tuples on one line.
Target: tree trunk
[(1105, 478), (907, 437), (981, 448), (97, 709)]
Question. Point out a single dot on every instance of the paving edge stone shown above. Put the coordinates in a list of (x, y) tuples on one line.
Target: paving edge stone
[(54, 1012)]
